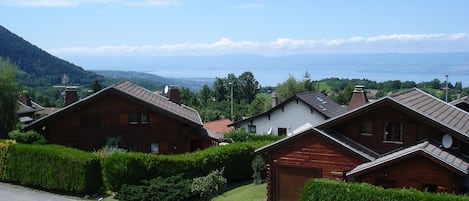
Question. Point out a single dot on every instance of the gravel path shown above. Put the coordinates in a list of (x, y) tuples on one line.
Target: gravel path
[(19, 193)]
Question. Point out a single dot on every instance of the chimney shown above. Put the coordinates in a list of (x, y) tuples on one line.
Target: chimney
[(71, 96), (25, 98), (274, 100), (174, 95), (359, 97)]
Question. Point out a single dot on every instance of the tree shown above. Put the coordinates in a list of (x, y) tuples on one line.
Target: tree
[(96, 86), (205, 95), (344, 96), (8, 97), (307, 82), (248, 86), (289, 88)]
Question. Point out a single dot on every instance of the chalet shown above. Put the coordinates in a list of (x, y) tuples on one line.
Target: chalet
[(299, 112), (405, 140), (127, 115), (27, 108)]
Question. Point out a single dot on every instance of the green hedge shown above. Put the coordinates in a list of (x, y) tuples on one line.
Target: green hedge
[(330, 190), (132, 168), (53, 167)]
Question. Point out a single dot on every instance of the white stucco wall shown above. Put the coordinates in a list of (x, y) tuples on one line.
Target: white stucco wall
[(293, 116)]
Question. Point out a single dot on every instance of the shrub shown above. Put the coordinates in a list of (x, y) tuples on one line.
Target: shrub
[(172, 188), (325, 190), (53, 167), (240, 135), (259, 170), (209, 186), (28, 137), (132, 168), (4, 144)]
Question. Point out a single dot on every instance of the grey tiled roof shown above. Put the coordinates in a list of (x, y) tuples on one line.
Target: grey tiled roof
[(159, 101), (425, 148), (316, 100), (322, 104), (435, 109)]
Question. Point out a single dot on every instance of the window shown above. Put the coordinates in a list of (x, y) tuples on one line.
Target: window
[(155, 148), (281, 131), (393, 131), (367, 127), (252, 128), (430, 187), (135, 118)]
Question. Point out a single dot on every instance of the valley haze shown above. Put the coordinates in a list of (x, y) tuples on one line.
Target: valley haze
[(270, 71)]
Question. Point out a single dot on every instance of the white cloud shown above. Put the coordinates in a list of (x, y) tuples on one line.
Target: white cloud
[(75, 3), (396, 43)]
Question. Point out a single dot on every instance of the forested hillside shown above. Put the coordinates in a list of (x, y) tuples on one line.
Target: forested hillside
[(37, 67)]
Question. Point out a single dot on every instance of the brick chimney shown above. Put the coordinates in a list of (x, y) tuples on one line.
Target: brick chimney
[(359, 97), (71, 96), (174, 95), (274, 100)]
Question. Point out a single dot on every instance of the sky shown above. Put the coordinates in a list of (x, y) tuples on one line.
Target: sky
[(80, 28)]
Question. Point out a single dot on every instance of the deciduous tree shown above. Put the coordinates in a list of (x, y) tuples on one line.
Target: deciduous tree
[(8, 97)]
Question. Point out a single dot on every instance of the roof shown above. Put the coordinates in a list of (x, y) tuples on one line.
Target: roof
[(343, 142), (218, 126), (136, 93), (24, 109), (424, 148), (461, 100), (435, 109), (414, 100), (421, 104), (315, 100)]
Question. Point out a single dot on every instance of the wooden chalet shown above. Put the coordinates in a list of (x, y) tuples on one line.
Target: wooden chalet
[(405, 140), (129, 116)]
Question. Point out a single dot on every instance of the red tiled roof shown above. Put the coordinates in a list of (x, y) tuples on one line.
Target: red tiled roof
[(218, 126)]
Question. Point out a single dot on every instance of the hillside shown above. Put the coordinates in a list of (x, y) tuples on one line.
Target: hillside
[(37, 67), (152, 81)]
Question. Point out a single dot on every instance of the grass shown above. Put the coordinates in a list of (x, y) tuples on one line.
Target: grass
[(245, 192)]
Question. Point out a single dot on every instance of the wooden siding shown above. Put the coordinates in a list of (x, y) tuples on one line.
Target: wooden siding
[(113, 110), (414, 129), (415, 173), (309, 151)]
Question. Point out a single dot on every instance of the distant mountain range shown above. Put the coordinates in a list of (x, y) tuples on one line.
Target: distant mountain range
[(194, 84), (37, 68)]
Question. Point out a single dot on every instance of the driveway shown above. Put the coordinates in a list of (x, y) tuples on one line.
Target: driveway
[(18, 193)]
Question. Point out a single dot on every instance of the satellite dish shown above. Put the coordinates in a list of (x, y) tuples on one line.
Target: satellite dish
[(447, 141), (270, 131), (166, 89)]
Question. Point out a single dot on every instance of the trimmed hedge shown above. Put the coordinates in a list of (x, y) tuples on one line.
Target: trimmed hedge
[(4, 144), (132, 168), (331, 190), (53, 167)]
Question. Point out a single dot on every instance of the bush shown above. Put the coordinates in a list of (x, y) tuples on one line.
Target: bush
[(209, 186), (132, 168), (28, 137), (325, 190), (259, 170), (172, 188), (240, 135), (53, 167), (4, 144)]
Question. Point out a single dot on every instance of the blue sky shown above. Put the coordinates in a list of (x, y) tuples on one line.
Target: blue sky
[(202, 27)]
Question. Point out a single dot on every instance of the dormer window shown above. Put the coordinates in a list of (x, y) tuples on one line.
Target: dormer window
[(393, 132)]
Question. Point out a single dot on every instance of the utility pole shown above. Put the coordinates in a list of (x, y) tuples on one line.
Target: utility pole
[(232, 116), (446, 88)]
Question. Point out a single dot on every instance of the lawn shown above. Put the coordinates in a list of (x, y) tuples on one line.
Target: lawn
[(245, 192)]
